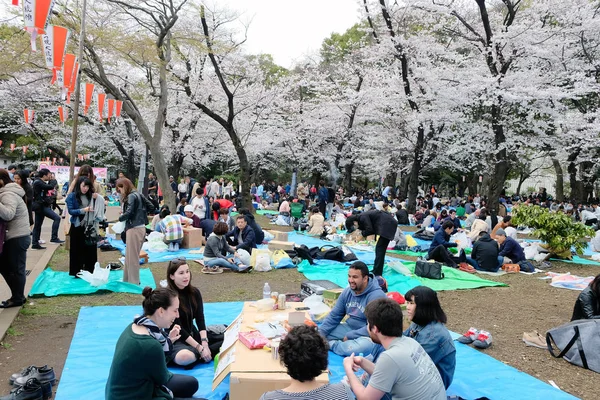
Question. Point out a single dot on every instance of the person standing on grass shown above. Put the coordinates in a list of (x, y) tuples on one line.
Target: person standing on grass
[(404, 370), (135, 215), (13, 255), (378, 223), (42, 202), (82, 209)]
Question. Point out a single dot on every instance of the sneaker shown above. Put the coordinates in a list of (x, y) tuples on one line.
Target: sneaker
[(534, 339), (57, 241), (466, 267), (484, 340), (176, 247), (41, 241), (43, 374), (171, 247), (468, 337), (31, 390), (37, 247)]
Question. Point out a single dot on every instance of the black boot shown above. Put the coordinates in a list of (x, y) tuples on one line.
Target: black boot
[(43, 374), (32, 390)]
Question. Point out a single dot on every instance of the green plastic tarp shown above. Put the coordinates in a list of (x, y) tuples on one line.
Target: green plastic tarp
[(454, 279), (52, 283)]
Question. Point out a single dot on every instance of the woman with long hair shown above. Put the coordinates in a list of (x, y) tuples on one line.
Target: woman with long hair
[(587, 305), (428, 327), (194, 345), (82, 206), (21, 179), (138, 370), (13, 257), (135, 215)]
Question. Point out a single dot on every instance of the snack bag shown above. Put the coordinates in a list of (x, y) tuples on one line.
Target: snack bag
[(253, 339)]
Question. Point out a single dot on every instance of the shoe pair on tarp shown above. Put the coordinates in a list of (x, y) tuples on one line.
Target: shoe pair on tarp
[(480, 339), (32, 383)]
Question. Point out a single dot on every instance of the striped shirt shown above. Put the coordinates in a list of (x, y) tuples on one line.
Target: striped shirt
[(337, 391), (172, 227)]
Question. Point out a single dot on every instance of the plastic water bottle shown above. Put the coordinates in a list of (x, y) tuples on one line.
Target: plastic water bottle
[(266, 291)]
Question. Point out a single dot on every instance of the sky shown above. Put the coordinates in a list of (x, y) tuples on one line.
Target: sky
[(292, 29)]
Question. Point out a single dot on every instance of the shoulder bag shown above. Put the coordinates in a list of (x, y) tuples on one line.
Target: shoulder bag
[(430, 270), (578, 342), (90, 233)]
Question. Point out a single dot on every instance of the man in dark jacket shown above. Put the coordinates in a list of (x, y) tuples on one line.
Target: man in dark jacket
[(402, 216), (375, 222), (323, 195), (438, 250), (484, 256), (452, 218), (242, 235), (42, 202), (509, 247), (260, 235)]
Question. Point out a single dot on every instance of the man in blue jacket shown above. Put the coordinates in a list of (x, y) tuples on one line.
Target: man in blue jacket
[(352, 336), (438, 250), (243, 236), (509, 247)]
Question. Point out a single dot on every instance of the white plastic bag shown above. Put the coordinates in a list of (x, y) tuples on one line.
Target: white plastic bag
[(531, 252), (461, 239), (315, 303), (155, 237), (263, 262), (244, 256), (399, 267), (119, 227), (98, 278), (268, 236)]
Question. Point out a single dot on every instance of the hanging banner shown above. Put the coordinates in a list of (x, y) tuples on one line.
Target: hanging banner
[(28, 116), (87, 95), (62, 172), (101, 99), (119, 105), (36, 14), (54, 46), (63, 113), (66, 76), (111, 108), (15, 2), (24, 149), (71, 88), (12, 147)]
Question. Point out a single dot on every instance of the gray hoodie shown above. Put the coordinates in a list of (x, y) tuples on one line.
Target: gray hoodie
[(13, 210)]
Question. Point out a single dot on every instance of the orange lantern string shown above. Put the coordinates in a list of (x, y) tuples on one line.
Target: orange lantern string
[(101, 99), (12, 147), (88, 93), (111, 108), (24, 149), (15, 2), (54, 45), (66, 152), (71, 88), (65, 76), (28, 116), (119, 105), (63, 113), (36, 14), (0, 143)]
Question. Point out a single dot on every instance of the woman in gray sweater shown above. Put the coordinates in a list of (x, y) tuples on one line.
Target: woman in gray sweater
[(13, 257), (217, 250)]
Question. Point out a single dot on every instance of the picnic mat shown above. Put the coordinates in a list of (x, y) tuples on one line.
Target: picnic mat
[(161, 256), (52, 283), (454, 279), (568, 281), (87, 366)]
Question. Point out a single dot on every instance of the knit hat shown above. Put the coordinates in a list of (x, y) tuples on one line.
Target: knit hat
[(188, 208), (500, 232)]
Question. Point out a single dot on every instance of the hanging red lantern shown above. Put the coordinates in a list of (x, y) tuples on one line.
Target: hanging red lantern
[(63, 113), (54, 45), (71, 88), (119, 105), (88, 93), (36, 14), (101, 99), (65, 76), (24, 149), (66, 152), (15, 2), (12, 147), (0, 143), (111, 108), (28, 116)]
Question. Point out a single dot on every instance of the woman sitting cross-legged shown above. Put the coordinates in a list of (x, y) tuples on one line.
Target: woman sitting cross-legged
[(217, 249), (427, 327), (139, 370), (195, 344)]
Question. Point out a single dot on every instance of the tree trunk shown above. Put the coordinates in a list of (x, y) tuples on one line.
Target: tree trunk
[(496, 181), (560, 195), (390, 179), (413, 186), (348, 177)]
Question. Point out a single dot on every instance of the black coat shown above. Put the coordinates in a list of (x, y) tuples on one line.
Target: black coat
[(587, 305), (375, 222), (485, 252), (402, 217)]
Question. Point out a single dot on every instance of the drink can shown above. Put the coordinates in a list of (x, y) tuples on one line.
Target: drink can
[(275, 296), (281, 302)]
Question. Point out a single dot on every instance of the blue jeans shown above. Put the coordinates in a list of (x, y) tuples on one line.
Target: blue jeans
[(40, 215), (475, 264), (221, 262), (359, 345)]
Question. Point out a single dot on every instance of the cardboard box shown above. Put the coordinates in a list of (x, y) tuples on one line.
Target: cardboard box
[(254, 372), (279, 245), (280, 236), (144, 255), (192, 238)]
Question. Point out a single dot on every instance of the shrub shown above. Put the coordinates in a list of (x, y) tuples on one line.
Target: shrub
[(558, 230)]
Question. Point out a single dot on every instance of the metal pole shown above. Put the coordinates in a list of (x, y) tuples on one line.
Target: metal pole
[(77, 96)]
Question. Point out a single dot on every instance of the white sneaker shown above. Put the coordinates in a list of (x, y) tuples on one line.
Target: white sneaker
[(41, 241)]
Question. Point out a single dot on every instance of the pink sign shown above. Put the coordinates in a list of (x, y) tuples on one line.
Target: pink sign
[(62, 172)]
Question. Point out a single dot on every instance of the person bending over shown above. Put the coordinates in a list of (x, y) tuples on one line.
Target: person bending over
[(138, 370), (587, 305), (428, 328), (352, 336), (404, 370), (304, 354), (379, 223), (438, 250), (195, 344)]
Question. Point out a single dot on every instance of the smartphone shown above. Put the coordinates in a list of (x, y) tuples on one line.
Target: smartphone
[(302, 308)]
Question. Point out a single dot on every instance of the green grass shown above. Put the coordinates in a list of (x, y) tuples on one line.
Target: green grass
[(5, 345), (70, 305), (13, 332)]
